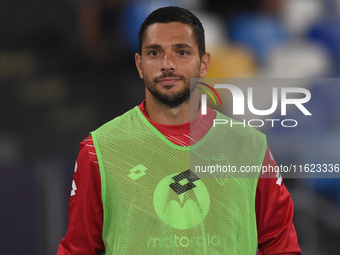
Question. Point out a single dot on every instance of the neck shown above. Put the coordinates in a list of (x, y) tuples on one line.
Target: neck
[(163, 114)]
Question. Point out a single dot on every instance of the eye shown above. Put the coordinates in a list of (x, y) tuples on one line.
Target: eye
[(183, 53), (153, 53)]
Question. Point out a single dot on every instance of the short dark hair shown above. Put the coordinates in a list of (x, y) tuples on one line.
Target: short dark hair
[(175, 14)]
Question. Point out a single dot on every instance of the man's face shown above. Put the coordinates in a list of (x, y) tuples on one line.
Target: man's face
[(168, 60)]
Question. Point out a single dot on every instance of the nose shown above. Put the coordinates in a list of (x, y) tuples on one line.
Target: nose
[(168, 64)]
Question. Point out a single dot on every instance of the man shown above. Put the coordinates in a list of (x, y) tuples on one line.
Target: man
[(134, 189)]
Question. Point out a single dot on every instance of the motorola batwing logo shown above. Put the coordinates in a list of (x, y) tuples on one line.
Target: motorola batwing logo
[(181, 200)]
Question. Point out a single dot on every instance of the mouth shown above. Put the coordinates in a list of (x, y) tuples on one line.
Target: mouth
[(168, 81)]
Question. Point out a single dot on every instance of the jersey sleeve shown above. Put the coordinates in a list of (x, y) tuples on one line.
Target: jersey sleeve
[(274, 214), (84, 232)]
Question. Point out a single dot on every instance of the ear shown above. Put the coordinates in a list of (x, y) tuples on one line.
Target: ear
[(205, 64), (138, 62)]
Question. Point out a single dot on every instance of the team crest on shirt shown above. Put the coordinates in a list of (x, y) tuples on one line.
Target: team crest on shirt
[(219, 160)]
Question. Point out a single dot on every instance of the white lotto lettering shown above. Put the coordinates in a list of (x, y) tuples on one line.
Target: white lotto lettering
[(74, 188)]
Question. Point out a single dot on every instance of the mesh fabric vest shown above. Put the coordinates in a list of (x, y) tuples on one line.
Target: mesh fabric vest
[(157, 199)]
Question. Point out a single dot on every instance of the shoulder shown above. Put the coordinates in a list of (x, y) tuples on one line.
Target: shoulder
[(87, 149), (87, 166)]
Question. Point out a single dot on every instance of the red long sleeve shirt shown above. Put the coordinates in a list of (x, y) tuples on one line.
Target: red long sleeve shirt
[(273, 204)]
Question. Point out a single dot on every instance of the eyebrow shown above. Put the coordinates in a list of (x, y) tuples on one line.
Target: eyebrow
[(153, 46), (177, 46), (182, 45)]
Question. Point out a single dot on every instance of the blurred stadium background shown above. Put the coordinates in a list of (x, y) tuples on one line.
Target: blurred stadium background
[(67, 66)]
